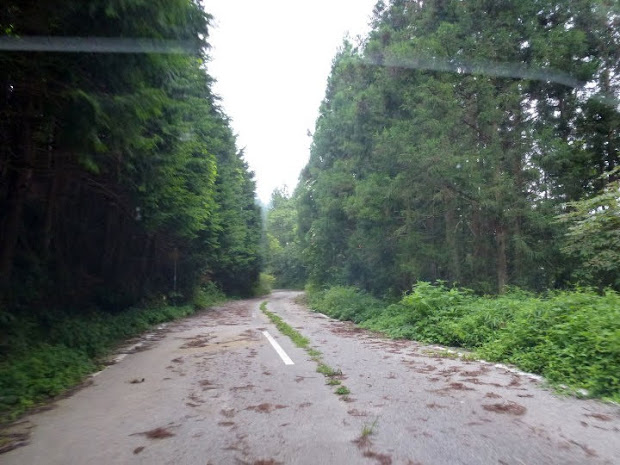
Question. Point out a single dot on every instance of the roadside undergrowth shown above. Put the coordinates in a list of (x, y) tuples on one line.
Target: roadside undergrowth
[(569, 337), (334, 376), (49, 354)]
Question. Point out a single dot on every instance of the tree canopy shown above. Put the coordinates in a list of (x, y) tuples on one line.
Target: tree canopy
[(452, 136), (120, 175)]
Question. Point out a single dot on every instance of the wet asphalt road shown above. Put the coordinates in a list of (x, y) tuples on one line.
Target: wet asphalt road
[(216, 392)]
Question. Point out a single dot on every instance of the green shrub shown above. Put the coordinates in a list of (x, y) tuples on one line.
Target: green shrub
[(206, 295), (47, 370), (48, 353), (426, 314), (570, 337), (264, 285), (345, 303)]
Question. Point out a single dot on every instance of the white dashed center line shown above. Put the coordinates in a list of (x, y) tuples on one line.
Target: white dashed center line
[(285, 358)]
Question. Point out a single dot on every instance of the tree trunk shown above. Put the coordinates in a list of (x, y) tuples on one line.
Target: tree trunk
[(16, 199), (451, 240), (502, 262), (52, 195)]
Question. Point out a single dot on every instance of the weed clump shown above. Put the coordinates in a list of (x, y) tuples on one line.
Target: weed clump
[(343, 391), (285, 328), (328, 371)]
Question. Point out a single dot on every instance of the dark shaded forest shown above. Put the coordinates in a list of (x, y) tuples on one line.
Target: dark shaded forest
[(120, 177), (474, 143), (124, 200)]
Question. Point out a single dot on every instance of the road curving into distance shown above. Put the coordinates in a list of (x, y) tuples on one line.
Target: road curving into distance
[(226, 387)]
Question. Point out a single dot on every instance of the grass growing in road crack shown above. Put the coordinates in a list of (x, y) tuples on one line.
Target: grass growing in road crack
[(343, 391), (304, 343), (285, 328), (369, 429), (328, 371), (314, 354)]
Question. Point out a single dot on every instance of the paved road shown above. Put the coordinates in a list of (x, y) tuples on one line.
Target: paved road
[(216, 392)]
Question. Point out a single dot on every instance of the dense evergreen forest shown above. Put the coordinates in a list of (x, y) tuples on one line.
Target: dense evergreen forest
[(463, 186), (120, 178), (120, 185), (474, 143)]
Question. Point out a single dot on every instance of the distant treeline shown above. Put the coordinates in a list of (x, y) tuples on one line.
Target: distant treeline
[(475, 143), (120, 180)]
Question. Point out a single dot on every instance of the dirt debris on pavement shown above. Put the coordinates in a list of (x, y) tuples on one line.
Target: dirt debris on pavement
[(156, 433), (265, 407), (230, 399), (511, 408)]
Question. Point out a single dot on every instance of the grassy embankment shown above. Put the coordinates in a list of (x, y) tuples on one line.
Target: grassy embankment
[(45, 353), (572, 338)]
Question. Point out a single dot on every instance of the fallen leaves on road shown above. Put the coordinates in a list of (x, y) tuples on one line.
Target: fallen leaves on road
[(435, 405), (15, 435), (365, 443), (228, 413), (511, 408), (265, 407), (382, 459), (599, 416), (157, 433), (197, 341)]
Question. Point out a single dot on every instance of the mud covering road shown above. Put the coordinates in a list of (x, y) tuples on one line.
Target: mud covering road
[(211, 389)]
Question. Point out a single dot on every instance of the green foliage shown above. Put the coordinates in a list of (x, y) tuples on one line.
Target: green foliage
[(283, 253), (53, 352), (342, 391), (569, 337), (369, 429), (207, 295), (593, 237), (121, 183), (448, 141), (264, 285), (286, 329), (427, 313), (46, 371), (139, 189), (345, 303), (327, 371)]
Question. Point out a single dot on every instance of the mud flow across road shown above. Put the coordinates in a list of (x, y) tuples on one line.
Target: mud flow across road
[(213, 389)]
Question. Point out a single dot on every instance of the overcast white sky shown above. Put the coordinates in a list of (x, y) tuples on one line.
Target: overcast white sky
[(271, 60)]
